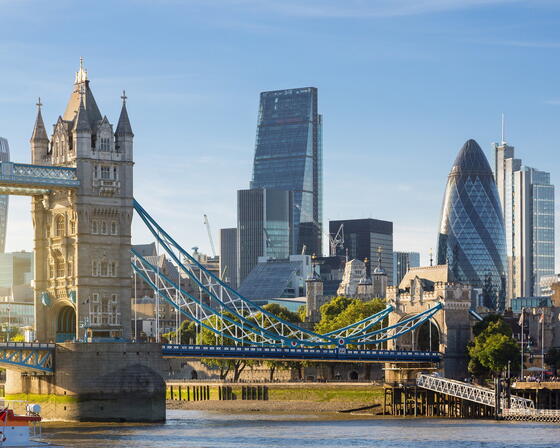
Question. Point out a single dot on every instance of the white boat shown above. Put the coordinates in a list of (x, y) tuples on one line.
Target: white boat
[(21, 430)]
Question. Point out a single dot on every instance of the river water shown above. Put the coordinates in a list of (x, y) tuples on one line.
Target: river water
[(200, 429)]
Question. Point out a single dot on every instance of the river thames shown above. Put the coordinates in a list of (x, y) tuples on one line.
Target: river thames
[(201, 429)]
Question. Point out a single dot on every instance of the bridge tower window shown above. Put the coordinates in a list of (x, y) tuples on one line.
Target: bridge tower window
[(95, 227), (59, 266), (114, 228), (95, 268), (59, 225), (103, 228), (105, 172)]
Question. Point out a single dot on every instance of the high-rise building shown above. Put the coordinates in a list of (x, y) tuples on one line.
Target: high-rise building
[(228, 256), (16, 268), (402, 261), (367, 238), (471, 236), (4, 157), (527, 199), (288, 156), (264, 226)]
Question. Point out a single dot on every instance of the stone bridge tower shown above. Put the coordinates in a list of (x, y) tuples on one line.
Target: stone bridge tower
[(82, 237), (448, 331)]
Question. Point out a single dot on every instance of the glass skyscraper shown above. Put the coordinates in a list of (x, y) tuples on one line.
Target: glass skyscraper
[(264, 227), (402, 261), (288, 156), (4, 157), (527, 199), (471, 237)]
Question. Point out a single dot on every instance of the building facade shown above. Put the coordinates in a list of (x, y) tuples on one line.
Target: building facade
[(16, 268), (367, 239), (264, 226), (83, 276), (527, 199), (402, 261), (228, 256), (471, 237), (4, 157), (288, 156)]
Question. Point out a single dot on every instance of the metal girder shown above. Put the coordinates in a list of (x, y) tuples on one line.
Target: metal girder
[(477, 394), (296, 354), (22, 178), (230, 315), (28, 356)]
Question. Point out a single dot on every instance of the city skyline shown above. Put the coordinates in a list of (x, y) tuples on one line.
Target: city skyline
[(428, 146)]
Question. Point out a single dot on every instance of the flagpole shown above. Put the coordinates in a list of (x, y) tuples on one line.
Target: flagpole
[(542, 345), (522, 325)]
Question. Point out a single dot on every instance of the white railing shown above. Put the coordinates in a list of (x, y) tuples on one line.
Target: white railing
[(477, 394)]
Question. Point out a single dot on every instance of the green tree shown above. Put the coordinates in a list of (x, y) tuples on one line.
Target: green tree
[(493, 349), (342, 311), (283, 313), (552, 359), (187, 333)]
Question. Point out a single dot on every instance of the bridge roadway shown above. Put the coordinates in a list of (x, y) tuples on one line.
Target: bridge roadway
[(38, 358)]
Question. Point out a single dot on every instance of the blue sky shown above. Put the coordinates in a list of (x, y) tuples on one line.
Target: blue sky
[(402, 84)]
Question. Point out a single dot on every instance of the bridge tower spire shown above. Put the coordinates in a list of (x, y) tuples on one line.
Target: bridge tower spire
[(82, 237), (39, 139)]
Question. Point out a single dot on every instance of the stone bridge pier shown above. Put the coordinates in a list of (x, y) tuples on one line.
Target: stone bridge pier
[(448, 331)]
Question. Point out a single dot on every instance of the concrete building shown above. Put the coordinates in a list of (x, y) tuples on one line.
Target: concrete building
[(228, 256), (83, 276), (355, 271), (16, 268), (363, 238), (527, 200), (471, 237), (264, 226), (288, 156), (4, 198), (402, 262)]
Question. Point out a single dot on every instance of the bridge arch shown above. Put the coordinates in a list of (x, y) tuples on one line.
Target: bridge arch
[(66, 323)]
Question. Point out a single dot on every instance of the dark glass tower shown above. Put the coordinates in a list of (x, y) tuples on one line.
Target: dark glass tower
[(288, 156), (471, 236)]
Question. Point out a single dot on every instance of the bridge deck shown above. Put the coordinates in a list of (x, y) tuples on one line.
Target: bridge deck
[(296, 354)]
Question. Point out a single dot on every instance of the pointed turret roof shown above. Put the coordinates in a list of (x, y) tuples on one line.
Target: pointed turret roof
[(81, 121), (471, 160), (39, 131), (123, 126), (81, 93)]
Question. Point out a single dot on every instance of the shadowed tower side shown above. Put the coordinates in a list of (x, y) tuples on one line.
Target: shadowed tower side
[(4, 157)]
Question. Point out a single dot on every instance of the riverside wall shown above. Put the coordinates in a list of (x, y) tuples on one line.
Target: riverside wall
[(97, 382)]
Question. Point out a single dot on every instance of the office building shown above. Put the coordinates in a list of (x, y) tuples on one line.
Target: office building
[(527, 200), (471, 238), (367, 239), (4, 157), (402, 261), (228, 256), (16, 268), (264, 226), (288, 156)]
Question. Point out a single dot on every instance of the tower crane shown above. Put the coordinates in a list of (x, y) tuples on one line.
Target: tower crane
[(207, 224)]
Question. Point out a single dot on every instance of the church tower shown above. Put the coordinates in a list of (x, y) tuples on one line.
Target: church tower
[(82, 237)]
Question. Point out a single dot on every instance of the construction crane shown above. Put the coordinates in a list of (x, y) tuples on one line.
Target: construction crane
[(336, 241), (207, 224)]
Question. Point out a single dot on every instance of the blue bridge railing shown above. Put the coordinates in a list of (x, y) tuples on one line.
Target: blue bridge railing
[(297, 354)]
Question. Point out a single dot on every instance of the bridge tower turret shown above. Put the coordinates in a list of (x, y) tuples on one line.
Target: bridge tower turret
[(82, 238), (39, 139)]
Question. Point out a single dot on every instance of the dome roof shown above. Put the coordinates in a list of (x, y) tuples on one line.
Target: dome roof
[(379, 271), (471, 160)]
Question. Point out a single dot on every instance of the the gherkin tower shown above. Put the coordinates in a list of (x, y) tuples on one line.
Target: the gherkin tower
[(471, 236)]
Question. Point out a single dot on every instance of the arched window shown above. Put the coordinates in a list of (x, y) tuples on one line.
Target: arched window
[(59, 266), (103, 228), (104, 269), (95, 268), (59, 225), (114, 228)]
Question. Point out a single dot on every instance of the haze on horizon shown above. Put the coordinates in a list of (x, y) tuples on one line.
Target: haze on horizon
[(402, 85)]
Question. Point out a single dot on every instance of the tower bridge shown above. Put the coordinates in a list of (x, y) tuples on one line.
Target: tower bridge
[(81, 186)]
